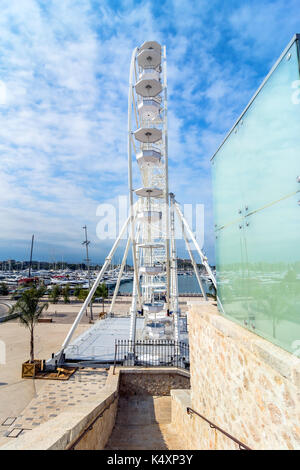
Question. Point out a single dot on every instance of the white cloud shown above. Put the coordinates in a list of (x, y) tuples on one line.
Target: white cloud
[(63, 124), (262, 28)]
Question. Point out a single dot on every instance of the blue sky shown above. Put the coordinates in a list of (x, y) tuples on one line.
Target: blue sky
[(64, 65)]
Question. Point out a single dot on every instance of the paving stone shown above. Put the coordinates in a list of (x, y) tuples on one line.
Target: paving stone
[(56, 396)]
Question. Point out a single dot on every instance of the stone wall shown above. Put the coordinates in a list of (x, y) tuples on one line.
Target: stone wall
[(241, 382), (195, 434), (154, 381), (181, 421), (97, 437)]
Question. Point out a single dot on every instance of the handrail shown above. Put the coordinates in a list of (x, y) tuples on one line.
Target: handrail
[(214, 426), (90, 426)]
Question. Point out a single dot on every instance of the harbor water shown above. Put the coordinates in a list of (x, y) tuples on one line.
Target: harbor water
[(187, 284)]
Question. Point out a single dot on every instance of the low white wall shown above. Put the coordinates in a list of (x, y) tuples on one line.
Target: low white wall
[(62, 431)]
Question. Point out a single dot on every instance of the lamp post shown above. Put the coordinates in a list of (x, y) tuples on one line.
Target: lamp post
[(86, 243), (30, 262)]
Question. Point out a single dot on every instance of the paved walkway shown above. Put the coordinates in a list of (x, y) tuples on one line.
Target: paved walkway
[(53, 399), (143, 423), (16, 393)]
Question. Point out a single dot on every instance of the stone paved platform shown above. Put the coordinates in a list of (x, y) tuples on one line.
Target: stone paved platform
[(143, 423), (54, 398)]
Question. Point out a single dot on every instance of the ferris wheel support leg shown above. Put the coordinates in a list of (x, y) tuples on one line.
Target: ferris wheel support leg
[(120, 276), (174, 278), (194, 264), (202, 256), (135, 295), (93, 289), (133, 310)]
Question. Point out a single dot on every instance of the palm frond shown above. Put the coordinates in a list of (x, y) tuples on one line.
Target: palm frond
[(29, 307)]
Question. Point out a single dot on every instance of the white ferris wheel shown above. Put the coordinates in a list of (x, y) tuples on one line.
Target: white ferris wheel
[(155, 290), (151, 221), (152, 207)]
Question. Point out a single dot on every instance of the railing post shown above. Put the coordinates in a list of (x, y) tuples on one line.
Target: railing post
[(151, 353), (115, 357)]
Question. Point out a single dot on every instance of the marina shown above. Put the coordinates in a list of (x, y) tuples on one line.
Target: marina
[(187, 282)]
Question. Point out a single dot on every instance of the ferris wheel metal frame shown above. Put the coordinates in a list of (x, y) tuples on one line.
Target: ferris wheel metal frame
[(151, 219), (148, 140)]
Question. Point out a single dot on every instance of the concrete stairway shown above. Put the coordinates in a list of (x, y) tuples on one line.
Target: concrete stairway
[(143, 423)]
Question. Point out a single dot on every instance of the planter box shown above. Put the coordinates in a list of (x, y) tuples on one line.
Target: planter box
[(31, 369)]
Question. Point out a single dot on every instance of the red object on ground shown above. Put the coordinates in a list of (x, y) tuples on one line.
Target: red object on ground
[(27, 280)]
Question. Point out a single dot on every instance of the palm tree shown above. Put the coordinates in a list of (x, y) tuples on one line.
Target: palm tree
[(55, 294), (77, 292), (30, 310), (102, 291), (3, 289), (83, 293), (66, 294)]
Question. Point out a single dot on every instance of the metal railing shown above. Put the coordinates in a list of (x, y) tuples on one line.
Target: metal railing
[(241, 445), (91, 425), (152, 353)]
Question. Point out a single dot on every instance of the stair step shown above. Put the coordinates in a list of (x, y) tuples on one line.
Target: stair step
[(143, 423)]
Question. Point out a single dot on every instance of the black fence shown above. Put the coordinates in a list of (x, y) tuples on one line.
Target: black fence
[(156, 353)]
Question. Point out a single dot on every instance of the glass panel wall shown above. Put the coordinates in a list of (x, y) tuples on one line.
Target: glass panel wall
[(257, 210)]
